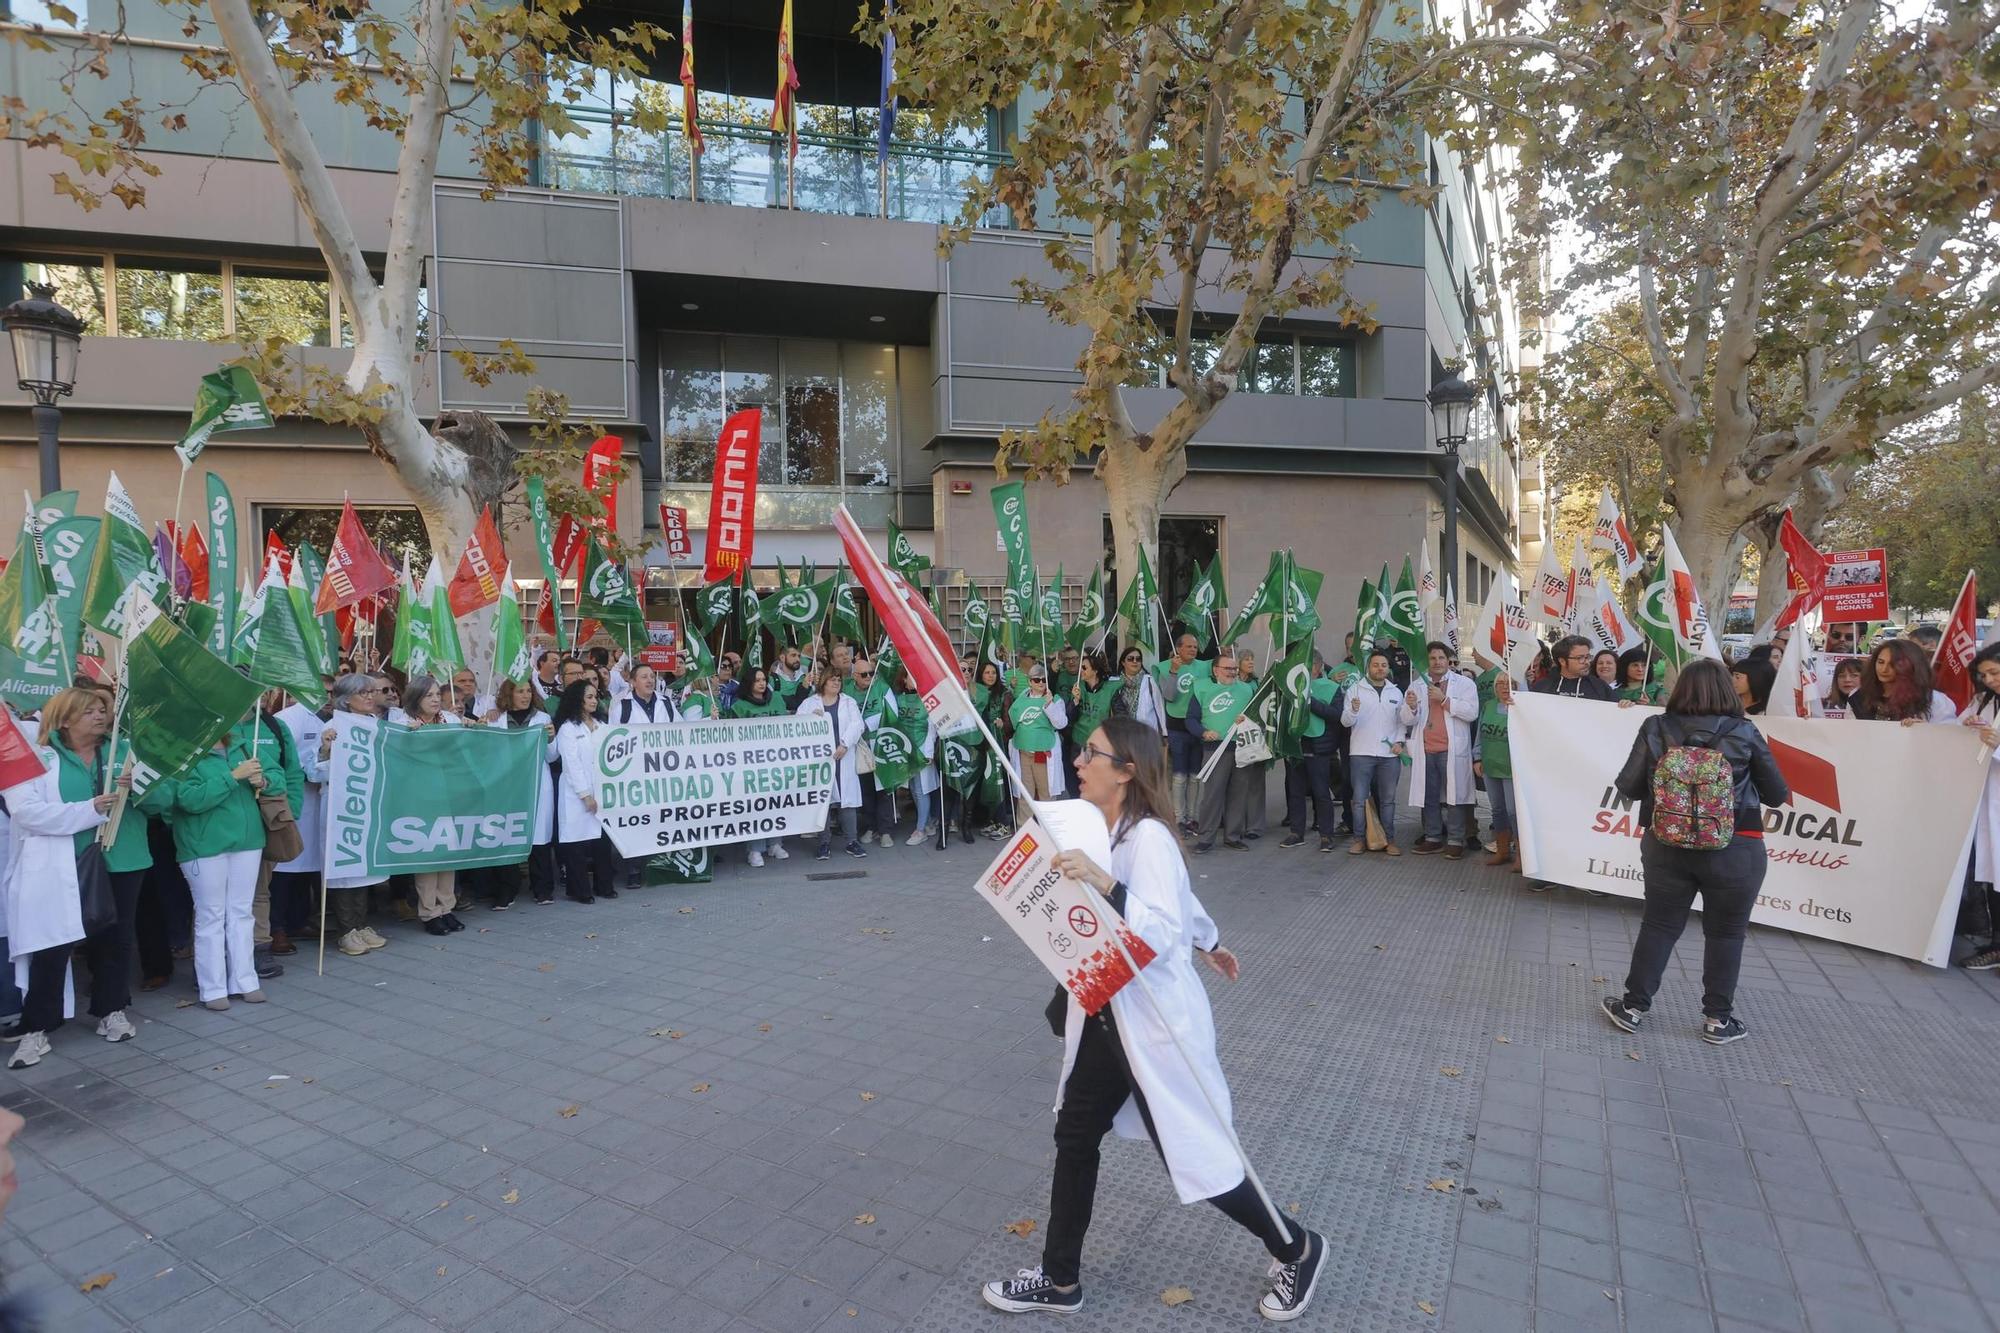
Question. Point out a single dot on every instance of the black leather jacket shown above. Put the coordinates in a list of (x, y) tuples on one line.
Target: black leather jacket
[(1758, 780)]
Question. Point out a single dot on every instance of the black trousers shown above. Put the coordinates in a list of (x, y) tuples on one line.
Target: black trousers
[(165, 912), (1728, 881), (1344, 781), (1098, 1085), (1309, 779), (590, 867), (294, 899), (869, 803), (42, 1005), (111, 951)]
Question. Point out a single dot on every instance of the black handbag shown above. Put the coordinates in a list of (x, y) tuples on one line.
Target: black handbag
[(93, 890)]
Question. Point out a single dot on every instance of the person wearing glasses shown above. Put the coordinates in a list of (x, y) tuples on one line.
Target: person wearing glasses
[(1138, 694), (1036, 716), (1573, 678)]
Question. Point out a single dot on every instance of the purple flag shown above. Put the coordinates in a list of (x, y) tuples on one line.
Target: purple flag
[(171, 563)]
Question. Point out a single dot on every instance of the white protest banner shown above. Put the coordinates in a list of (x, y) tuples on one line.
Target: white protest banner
[(703, 783), (1870, 850), (1056, 919)]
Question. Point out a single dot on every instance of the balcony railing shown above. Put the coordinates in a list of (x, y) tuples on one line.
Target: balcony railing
[(743, 165)]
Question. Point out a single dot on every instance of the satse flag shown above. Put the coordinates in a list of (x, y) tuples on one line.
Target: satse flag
[(732, 499)]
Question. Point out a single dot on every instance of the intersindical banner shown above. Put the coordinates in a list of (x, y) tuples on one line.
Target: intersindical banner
[(402, 800), (1870, 850), (671, 785)]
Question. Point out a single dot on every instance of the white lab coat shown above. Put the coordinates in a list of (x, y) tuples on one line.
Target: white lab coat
[(576, 747), (545, 794), (43, 909), (1375, 721), (1058, 715), (846, 731), (340, 725), (1986, 826), (305, 726), (1461, 702), (1161, 907)]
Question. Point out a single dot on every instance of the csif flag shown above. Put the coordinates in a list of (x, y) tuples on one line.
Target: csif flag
[(1951, 664), (903, 556), (476, 584), (544, 525), (1613, 534), (920, 641), (1204, 603), (1405, 622), (1089, 623), (1137, 608), (607, 593), (1671, 614)]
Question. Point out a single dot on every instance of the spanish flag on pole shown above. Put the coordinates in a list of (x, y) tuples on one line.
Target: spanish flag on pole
[(784, 103), (690, 123)]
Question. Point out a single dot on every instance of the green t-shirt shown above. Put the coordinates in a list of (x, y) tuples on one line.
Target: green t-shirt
[(1032, 732), (1092, 707), (773, 706), (1062, 681), (1220, 704), (694, 704), (1325, 691), (1494, 756), (1652, 693), (1197, 672)]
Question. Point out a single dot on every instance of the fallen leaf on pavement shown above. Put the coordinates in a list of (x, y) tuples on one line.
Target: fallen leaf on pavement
[(1425, 1306), (685, 911), (1292, 1208), (1631, 1055), (1505, 1041), (1597, 981), (308, 1078), (1381, 946), (591, 936), (673, 1033), (701, 1087), (183, 1004), (511, 1196), (1173, 1296), (864, 1219), (1489, 1205), (569, 1112), (440, 1270), (1443, 1185), (867, 1096), (545, 1018), (1450, 1071), (98, 1283), (545, 967), (1021, 1228), (761, 1027)]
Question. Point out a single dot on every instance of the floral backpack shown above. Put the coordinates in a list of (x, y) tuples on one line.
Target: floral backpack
[(1694, 795)]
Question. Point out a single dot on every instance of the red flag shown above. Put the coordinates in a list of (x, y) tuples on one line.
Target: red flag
[(674, 528), (343, 622), (477, 582), (18, 761), (1807, 574), (545, 616), (274, 545), (732, 497), (92, 667), (920, 640), (194, 554), (600, 467), (587, 631), (1951, 664), (784, 102), (354, 568)]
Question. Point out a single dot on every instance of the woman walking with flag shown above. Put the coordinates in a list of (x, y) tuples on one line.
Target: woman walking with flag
[(1122, 1071), (219, 840)]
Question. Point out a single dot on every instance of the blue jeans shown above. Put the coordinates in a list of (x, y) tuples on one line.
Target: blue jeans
[(1184, 748), (1375, 775), (1442, 823), (1500, 795)]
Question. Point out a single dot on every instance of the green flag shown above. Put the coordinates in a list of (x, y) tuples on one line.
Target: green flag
[(123, 567), (1656, 621), (714, 602), (54, 508), (228, 399), (1404, 622), (607, 595), (1010, 513), (991, 647), (301, 587), (1049, 616), (447, 655), (179, 698), (1278, 704), (68, 545), (1090, 616), (959, 760), (245, 633), (1297, 613), (1370, 609), (512, 658), (800, 607), (538, 512), (1268, 598), (1205, 601), (281, 649), (903, 557), (750, 621), (683, 865), (413, 632), (1138, 608), (845, 620), (33, 666), (222, 569), (700, 663)]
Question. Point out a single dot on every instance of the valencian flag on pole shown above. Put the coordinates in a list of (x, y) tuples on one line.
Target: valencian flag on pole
[(281, 654), (732, 497), (178, 699), (228, 399), (125, 568), (1204, 602), (690, 108), (512, 659), (919, 639), (476, 584), (1139, 608), (784, 102), (33, 663), (1090, 615), (538, 513)]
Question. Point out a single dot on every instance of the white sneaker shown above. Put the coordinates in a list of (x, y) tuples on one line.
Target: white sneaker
[(352, 944), (888, 840), (33, 1046), (114, 1026), (756, 858), (370, 938), (780, 854), (920, 837)]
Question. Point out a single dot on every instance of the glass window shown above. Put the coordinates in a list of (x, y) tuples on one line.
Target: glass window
[(281, 303), (79, 284), (347, 321), (1326, 369), (812, 413), (868, 414), (750, 379), (169, 299), (1268, 368), (690, 404)]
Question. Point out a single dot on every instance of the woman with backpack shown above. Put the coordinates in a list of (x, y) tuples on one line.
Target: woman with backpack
[(1702, 776)]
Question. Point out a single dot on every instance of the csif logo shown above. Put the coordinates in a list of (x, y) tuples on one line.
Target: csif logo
[(614, 756)]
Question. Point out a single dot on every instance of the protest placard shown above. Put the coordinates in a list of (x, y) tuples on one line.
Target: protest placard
[(670, 785), (403, 800)]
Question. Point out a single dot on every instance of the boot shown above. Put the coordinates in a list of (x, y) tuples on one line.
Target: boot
[(1503, 849), (281, 944)]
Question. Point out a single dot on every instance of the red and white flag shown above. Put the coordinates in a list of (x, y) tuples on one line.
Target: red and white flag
[(355, 570), (1613, 534), (732, 498), (476, 583), (1610, 627), (674, 529), (1805, 575), (194, 554), (1951, 664), (274, 547), (1427, 579), (920, 640), (599, 462), (1451, 617), (1502, 636), (1798, 691), (1548, 597), (1582, 591), (18, 761)]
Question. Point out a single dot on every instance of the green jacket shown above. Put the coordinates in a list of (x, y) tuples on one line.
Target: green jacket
[(1091, 708), (213, 812), (280, 757), (78, 781), (1323, 691), (774, 705)]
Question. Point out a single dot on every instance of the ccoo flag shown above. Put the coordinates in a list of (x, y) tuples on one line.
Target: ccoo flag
[(1951, 664), (355, 570), (476, 584), (919, 639)]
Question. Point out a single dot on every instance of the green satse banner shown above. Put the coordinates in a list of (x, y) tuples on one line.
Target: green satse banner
[(402, 800), (222, 569), (228, 399), (32, 665), (69, 545)]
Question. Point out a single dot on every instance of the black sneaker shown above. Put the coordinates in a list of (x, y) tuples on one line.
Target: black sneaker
[(607, 893), (1028, 1291), (1293, 840), (1253, 835), (823, 853), (1983, 961), (1622, 1015), (451, 920), (1326, 844), (1722, 1031), (856, 850), (436, 926), (264, 965), (1292, 1284)]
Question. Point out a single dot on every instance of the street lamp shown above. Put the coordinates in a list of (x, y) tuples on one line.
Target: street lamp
[(45, 339), (1451, 403)]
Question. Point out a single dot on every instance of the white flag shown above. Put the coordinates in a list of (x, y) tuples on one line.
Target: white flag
[(1582, 591), (1687, 616), (1609, 626), (1427, 579), (1612, 534), (1450, 617), (1798, 691), (1548, 596), (1502, 636)]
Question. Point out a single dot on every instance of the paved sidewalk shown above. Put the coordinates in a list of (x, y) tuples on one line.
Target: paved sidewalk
[(783, 1105)]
